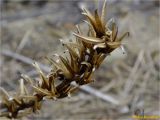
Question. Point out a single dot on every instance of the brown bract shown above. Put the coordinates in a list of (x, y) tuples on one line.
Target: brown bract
[(85, 56)]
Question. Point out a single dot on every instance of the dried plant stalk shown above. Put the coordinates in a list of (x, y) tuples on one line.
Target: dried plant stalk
[(85, 56)]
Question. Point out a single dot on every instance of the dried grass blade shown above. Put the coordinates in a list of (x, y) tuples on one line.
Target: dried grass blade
[(42, 91), (91, 29), (69, 68), (43, 78), (103, 13), (86, 63), (74, 63), (91, 40), (53, 90), (121, 38), (22, 88), (114, 31), (100, 29), (113, 45), (78, 30), (54, 63), (100, 59), (100, 45), (27, 78), (90, 18), (4, 93), (72, 51), (18, 102)]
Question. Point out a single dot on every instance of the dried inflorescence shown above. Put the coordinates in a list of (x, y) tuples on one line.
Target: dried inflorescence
[(85, 56)]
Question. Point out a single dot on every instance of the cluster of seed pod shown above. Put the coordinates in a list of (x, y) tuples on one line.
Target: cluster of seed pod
[(85, 56)]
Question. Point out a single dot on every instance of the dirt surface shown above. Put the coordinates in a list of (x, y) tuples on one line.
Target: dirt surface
[(33, 29)]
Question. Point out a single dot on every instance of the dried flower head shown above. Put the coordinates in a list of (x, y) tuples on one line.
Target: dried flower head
[(85, 56)]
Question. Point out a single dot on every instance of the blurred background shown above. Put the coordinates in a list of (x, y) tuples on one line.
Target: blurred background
[(32, 28)]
